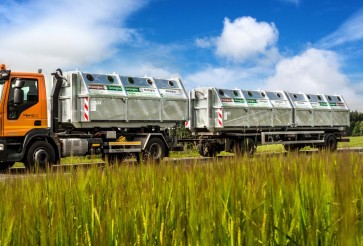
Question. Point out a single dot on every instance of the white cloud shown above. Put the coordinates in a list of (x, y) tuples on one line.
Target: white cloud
[(148, 70), (65, 33), (245, 38), (227, 77), (314, 71), (214, 76), (350, 31), (205, 42)]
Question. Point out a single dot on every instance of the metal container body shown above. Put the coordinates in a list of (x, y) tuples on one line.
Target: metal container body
[(231, 109), (340, 110), (110, 109), (282, 109), (322, 115), (303, 111), (219, 109), (260, 109), (174, 100), (235, 117), (101, 100), (225, 109)]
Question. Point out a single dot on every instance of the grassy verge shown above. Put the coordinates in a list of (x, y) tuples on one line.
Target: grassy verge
[(354, 142)]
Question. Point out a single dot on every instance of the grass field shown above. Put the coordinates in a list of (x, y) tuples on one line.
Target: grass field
[(282, 200), (354, 142)]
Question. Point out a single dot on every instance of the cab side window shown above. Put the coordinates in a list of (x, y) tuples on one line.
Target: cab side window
[(27, 96)]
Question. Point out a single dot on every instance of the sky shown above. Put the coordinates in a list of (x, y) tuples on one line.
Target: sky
[(295, 45)]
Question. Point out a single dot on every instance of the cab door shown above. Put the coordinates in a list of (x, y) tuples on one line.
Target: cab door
[(3, 85), (23, 111)]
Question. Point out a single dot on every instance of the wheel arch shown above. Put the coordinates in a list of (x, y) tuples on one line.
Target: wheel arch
[(145, 139), (36, 135)]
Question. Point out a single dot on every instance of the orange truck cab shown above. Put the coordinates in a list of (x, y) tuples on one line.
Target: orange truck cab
[(24, 131)]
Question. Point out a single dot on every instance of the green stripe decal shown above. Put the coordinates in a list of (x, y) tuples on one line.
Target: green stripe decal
[(132, 89)]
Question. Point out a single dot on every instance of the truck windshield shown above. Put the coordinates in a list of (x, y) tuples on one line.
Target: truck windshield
[(2, 83)]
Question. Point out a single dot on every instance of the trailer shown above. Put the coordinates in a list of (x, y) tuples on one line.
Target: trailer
[(105, 114), (237, 120)]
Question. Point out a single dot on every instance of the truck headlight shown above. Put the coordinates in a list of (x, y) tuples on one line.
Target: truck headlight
[(1, 147)]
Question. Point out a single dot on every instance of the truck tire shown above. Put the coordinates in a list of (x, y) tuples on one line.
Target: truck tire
[(155, 150), (206, 149), (203, 151), (330, 142), (40, 153)]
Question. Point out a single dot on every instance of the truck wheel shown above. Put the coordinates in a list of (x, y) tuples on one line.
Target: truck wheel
[(41, 153), (331, 142), (155, 150)]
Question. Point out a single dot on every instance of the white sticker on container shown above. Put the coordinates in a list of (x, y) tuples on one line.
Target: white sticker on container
[(225, 115), (94, 105)]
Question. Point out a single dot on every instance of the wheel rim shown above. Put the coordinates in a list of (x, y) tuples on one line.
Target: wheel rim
[(155, 151), (41, 156), (202, 149)]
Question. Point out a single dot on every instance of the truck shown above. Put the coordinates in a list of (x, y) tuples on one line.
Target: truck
[(237, 120), (117, 116), (104, 114)]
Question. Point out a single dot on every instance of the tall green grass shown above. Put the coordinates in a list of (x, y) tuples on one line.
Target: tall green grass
[(279, 200)]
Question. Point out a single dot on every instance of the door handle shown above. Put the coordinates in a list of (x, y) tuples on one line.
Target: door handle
[(37, 123)]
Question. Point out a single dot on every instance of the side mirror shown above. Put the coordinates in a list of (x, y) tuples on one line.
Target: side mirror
[(18, 92), (18, 96), (19, 83)]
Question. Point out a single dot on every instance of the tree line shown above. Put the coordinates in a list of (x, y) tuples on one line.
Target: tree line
[(356, 124)]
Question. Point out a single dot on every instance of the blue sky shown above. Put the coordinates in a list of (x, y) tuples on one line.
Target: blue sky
[(296, 45)]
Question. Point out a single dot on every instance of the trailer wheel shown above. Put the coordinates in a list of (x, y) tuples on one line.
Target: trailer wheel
[(41, 153), (331, 142), (155, 150), (249, 147), (206, 149), (203, 150)]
